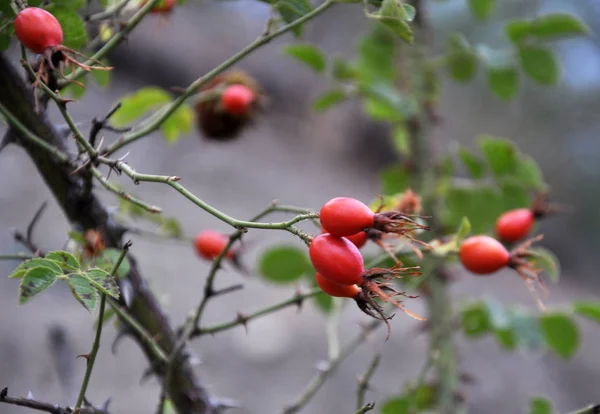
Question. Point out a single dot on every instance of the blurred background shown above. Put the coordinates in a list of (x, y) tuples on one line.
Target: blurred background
[(304, 158)]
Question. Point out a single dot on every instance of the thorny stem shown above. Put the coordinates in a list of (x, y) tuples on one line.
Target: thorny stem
[(133, 324), (363, 383), (172, 181), (16, 256), (164, 113), (91, 358), (438, 298), (323, 374), (365, 408), (244, 319), (122, 194), (108, 13)]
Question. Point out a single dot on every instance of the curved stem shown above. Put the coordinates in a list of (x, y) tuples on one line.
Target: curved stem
[(91, 358), (194, 86)]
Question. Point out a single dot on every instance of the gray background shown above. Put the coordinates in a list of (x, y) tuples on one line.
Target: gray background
[(304, 158)]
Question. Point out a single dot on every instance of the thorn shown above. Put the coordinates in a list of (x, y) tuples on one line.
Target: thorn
[(147, 374), (104, 406), (122, 333), (3, 393), (127, 292), (86, 356), (243, 320)]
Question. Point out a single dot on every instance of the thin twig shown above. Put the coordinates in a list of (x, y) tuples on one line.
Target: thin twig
[(590, 409), (144, 336), (122, 194), (195, 86), (244, 319), (91, 358), (16, 256), (323, 374), (46, 407), (365, 408), (363, 382)]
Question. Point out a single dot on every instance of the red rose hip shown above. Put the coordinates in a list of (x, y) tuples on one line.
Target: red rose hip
[(209, 244), (345, 216), (236, 99), (515, 225), (38, 30), (483, 255), (337, 259), (335, 289)]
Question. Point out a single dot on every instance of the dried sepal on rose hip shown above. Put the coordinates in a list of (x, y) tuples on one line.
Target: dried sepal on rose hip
[(484, 255), (210, 243), (233, 107), (516, 224), (41, 33), (339, 261), (93, 243)]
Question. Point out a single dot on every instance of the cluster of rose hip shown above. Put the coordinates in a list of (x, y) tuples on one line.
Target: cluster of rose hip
[(485, 255)]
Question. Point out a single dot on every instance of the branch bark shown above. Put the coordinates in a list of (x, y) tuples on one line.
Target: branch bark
[(85, 211)]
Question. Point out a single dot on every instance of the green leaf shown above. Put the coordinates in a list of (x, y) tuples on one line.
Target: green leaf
[(329, 99), (376, 60), (503, 82), (506, 339), (396, 406), (180, 122), (400, 139), (5, 39), (527, 331), (529, 173), (464, 229), (547, 261), (23, 267), (481, 204), (108, 259), (518, 30), (513, 194), (409, 12), (77, 237), (501, 155), (395, 17), (475, 320), (308, 54), (83, 290), (65, 259), (481, 8), (540, 405), (75, 35), (561, 334), (102, 77), (34, 281), (384, 103), (394, 180), (323, 302), (540, 64), (139, 103), (291, 10), (103, 281), (342, 70), (474, 165), (462, 60), (284, 264), (169, 227), (74, 4), (590, 310), (558, 25)]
